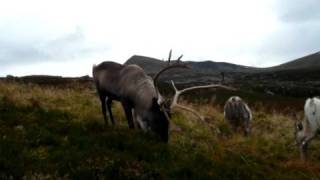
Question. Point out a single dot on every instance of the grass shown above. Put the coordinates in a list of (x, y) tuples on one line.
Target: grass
[(53, 133)]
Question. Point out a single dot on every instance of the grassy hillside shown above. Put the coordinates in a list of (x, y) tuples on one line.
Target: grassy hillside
[(50, 133)]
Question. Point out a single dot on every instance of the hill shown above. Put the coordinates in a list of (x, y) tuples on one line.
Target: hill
[(199, 72), (311, 61), (152, 65), (299, 77)]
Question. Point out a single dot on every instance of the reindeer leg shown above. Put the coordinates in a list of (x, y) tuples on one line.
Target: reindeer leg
[(128, 111), (304, 147), (103, 107), (135, 119), (109, 103), (247, 128), (303, 151)]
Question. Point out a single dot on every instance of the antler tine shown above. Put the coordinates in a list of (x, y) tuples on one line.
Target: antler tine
[(169, 58), (175, 103), (179, 92), (209, 86), (174, 87), (176, 65), (180, 58)]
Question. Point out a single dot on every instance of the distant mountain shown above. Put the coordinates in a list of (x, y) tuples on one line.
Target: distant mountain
[(211, 66), (311, 61), (300, 77), (152, 65)]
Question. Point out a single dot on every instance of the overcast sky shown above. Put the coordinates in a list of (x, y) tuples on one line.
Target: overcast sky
[(67, 37)]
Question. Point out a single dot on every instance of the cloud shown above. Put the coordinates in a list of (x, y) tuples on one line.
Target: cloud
[(66, 47), (12, 53), (298, 11), (296, 35), (290, 42), (253, 33)]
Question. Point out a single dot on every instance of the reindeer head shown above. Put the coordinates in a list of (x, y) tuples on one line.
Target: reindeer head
[(160, 113), (298, 129), (155, 119), (299, 133), (159, 120)]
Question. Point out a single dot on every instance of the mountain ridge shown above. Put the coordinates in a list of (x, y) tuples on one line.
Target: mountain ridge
[(299, 77), (151, 65)]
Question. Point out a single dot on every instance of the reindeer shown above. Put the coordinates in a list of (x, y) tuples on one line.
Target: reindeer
[(106, 77), (306, 130), (136, 91), (138, 94), (238, 114)]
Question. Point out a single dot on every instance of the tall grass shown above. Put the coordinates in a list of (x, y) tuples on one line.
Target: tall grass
[(51, 133)]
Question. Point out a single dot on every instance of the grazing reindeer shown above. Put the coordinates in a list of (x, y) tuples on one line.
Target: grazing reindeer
[(238, 114), (136, 91), (306, 130), (106, 77), (138, 94)]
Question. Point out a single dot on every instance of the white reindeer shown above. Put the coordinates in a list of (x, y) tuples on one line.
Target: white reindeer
[(306, 130)]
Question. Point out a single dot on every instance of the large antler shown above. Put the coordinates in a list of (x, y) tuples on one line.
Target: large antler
[(179, 92), (169, 66)]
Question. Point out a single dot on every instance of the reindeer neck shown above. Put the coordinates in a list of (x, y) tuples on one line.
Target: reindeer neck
[(145, 93)]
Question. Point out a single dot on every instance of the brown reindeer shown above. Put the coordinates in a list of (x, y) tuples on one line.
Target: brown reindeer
[(136, 91), (138, 94)]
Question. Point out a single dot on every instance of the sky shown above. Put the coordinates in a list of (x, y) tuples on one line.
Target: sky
[(67, 37)]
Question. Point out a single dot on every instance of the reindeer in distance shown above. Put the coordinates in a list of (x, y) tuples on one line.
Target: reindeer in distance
[(139, 95), (238, 114)]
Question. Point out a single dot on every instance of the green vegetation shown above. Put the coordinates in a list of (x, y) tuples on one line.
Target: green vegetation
[(51, 133)]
